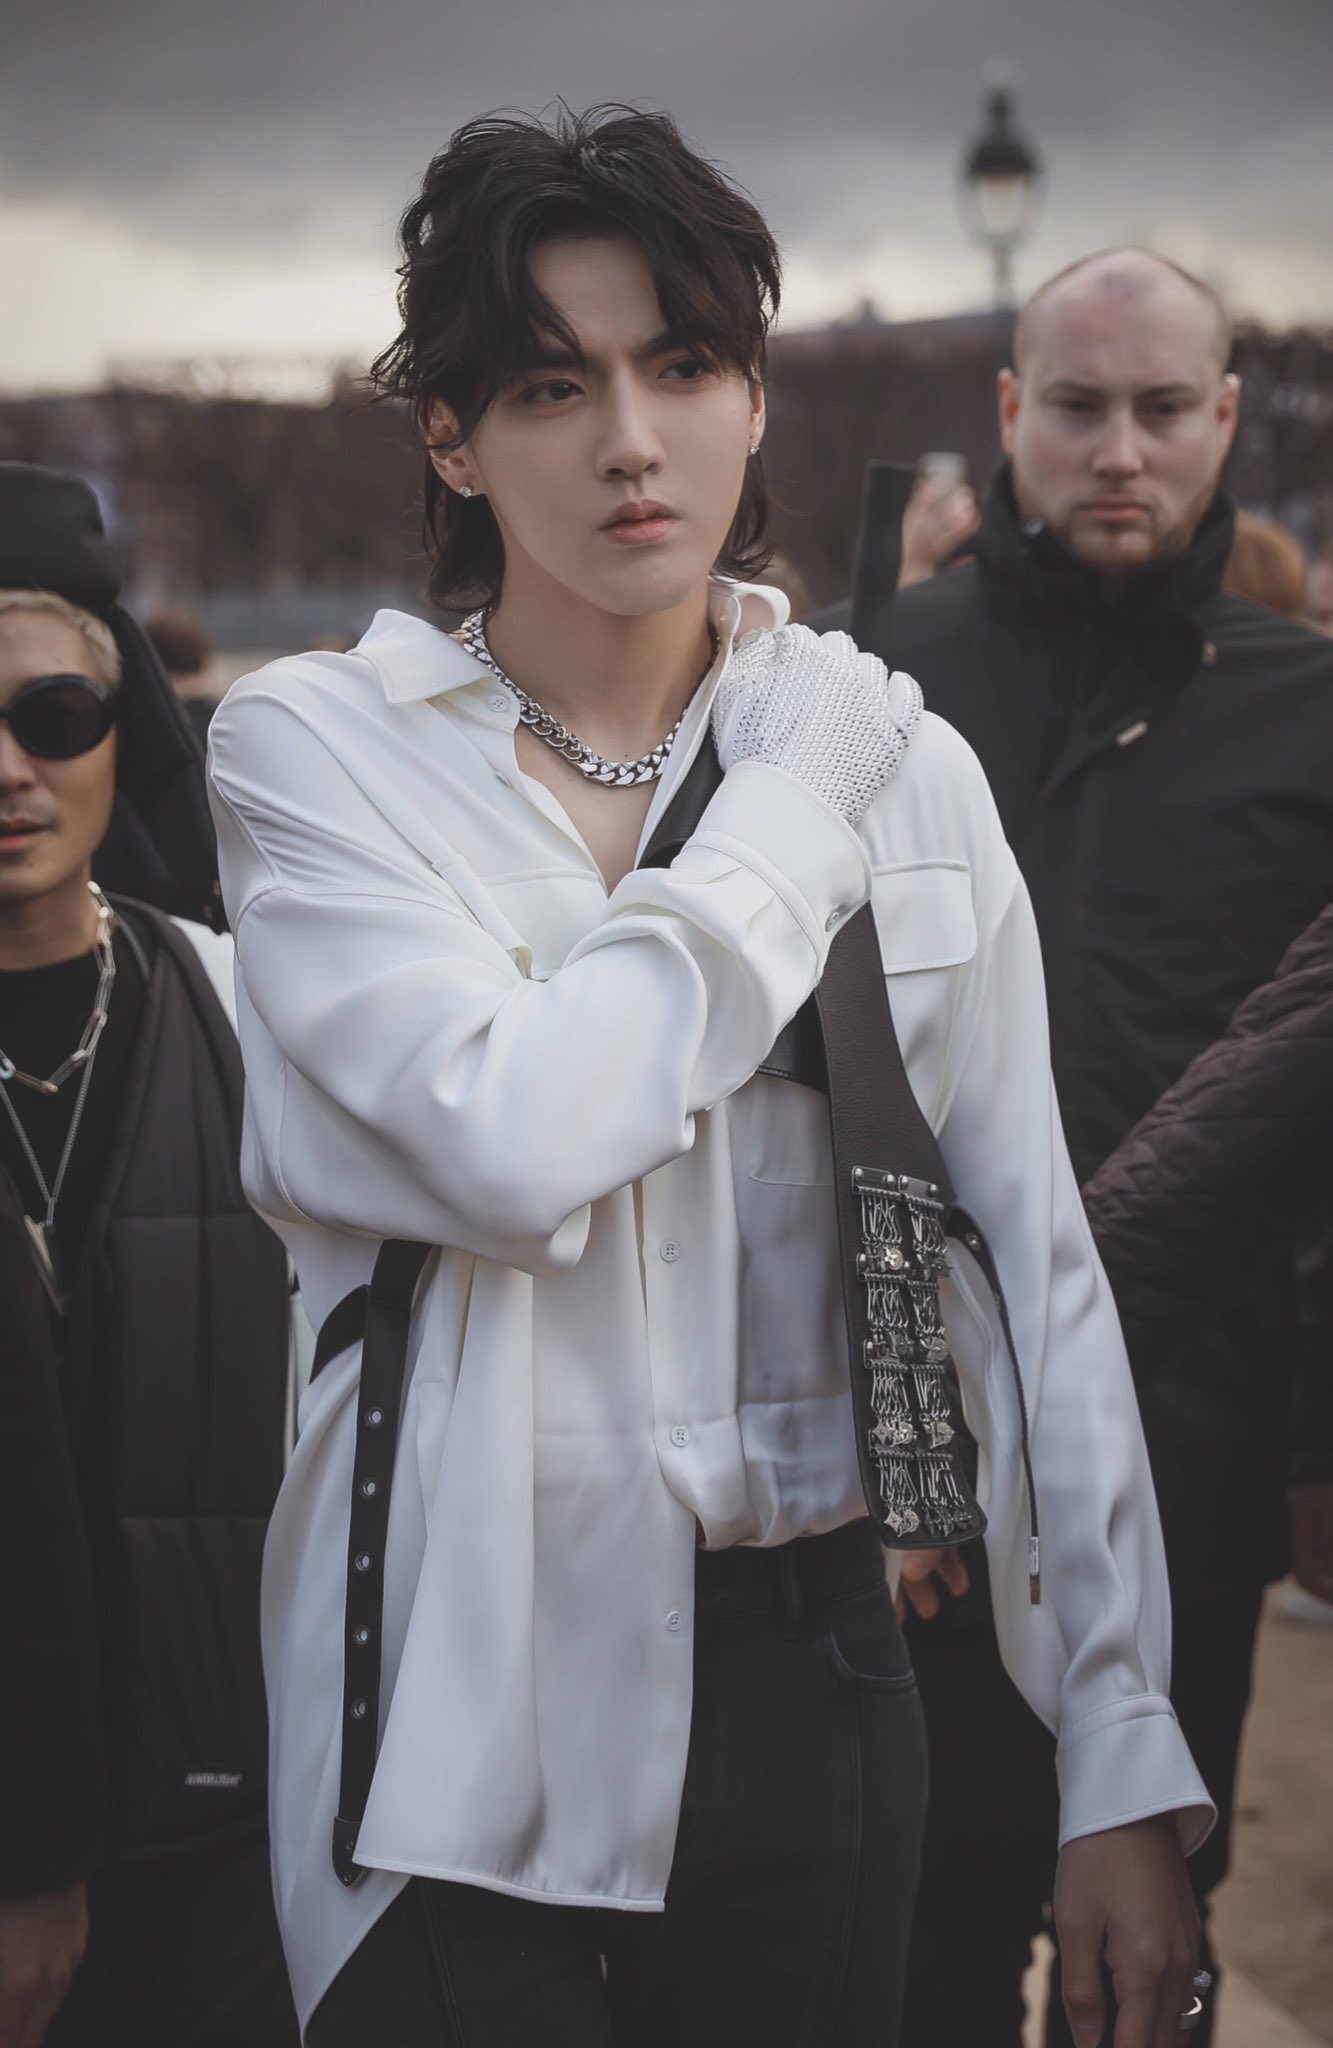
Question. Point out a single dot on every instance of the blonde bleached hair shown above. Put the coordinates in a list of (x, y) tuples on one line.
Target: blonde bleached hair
[(97, 635)]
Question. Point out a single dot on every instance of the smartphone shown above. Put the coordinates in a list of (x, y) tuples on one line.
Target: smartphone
[(945, 464)]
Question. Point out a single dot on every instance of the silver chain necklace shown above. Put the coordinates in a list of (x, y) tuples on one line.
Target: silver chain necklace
[(81, 1060), (611, 774)]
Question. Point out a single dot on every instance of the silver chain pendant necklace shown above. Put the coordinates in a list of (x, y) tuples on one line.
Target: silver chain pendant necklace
[(80, 1061), (611, 774)]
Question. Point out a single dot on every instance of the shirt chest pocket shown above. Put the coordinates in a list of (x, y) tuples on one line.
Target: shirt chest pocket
[(924, 917), (927, 930)]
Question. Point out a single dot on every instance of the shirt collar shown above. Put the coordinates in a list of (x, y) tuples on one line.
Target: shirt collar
[(415, 659)]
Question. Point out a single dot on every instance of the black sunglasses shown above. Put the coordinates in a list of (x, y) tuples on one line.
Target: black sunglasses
[(59, 717)]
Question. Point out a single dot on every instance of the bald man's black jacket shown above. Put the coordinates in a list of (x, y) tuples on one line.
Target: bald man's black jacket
[(1163, 766)]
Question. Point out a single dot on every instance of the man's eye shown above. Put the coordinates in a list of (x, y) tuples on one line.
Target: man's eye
[(1080, 406), (689, 370), (550, 393), (1165, 409)]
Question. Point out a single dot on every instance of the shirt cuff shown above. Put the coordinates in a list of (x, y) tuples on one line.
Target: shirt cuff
[(802, 848), (1126, 1762)]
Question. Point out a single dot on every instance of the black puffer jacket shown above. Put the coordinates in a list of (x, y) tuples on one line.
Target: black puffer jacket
[(1163, 765), (137, 1541)]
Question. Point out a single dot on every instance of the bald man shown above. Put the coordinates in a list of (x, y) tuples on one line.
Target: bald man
[(1162, 757)]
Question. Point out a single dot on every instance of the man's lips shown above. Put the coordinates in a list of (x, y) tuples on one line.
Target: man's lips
[(18, 834), (1119, 510), (635, 524)]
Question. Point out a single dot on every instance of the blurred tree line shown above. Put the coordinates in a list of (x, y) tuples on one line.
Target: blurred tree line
[(211, 494)]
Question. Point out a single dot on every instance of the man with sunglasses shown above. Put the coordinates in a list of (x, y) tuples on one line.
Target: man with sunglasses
[(144, 1370)]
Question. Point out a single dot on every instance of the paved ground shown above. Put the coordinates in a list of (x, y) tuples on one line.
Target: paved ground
[(1275, 1912), (1274, 1916)]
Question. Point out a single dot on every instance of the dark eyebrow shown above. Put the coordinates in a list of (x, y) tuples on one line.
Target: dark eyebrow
[(659, 345), (555, 356)]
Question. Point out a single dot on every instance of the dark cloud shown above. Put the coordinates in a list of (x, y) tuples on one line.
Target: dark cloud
[(245, 124)]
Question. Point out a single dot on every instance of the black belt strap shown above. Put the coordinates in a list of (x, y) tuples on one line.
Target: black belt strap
[(380, 1315)]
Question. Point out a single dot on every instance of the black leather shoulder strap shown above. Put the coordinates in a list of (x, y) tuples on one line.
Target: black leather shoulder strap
[(842, 1041), (892, 1199), (873, 1112)]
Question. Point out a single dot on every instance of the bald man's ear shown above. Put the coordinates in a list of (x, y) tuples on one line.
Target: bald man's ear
[(1008, 387), (1228, 409)]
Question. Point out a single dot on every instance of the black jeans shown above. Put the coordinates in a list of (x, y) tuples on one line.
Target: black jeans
[(796, 1859), (989, 1860)]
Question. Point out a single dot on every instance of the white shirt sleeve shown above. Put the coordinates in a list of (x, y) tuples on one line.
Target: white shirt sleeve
[(427, 1087), (217, 957), (1093, 1659)]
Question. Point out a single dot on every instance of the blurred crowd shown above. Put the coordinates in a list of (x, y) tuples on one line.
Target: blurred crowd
[(1160, 744)]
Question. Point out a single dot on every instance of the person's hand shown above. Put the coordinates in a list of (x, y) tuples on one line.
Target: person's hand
[(1122, 1897), (813, 705), (916, 1577), (941, 514), (42, 1941), (1310, 1507)]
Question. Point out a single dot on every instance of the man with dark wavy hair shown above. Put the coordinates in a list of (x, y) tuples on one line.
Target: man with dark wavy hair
[(591, 1713)]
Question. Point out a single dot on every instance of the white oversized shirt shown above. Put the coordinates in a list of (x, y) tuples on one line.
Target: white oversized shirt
[(453, 1033)]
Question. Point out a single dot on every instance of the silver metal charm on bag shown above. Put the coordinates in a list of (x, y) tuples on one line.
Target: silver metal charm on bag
[(925, 1492)]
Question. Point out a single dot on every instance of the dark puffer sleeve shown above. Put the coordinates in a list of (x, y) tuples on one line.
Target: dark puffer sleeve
[(1229, 1170)]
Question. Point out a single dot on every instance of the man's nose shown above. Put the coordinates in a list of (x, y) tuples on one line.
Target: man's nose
[(16, 769), (1118, 452), (631, 446)]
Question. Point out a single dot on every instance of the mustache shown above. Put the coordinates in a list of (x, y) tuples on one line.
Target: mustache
[(26, 821)]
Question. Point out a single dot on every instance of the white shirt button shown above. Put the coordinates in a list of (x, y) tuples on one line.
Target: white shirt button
[(670, 1251), (680, 1436), (675, 1621), (497, 702), (833, 920)]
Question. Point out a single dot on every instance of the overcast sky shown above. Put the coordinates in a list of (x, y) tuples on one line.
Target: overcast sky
[(180, 178)]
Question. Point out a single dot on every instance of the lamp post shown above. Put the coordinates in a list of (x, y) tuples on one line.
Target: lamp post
[(1000, 188)]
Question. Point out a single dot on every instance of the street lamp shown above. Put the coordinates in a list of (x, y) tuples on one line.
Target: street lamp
[(1000, 188)]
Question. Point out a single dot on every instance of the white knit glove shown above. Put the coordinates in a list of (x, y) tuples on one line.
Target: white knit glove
[(813, 704)]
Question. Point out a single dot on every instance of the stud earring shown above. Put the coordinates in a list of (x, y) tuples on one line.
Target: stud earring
[(754, 447), (465, 491)]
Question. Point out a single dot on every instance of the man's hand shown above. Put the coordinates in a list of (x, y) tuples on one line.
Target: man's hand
[(1122, 1896), (941, 514), (41, 1946), (915, 1580), (1311, 1510)]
